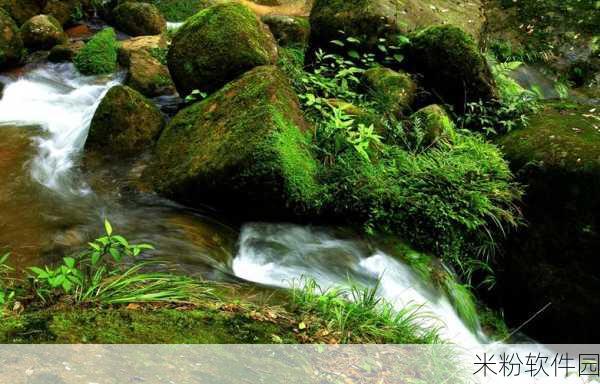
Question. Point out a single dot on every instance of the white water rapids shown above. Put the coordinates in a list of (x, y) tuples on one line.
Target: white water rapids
[(62, 102)]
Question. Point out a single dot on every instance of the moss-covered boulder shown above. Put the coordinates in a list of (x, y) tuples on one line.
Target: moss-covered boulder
[(558, 158), (288, 30), (217, 45), (125, 123), (42, 32), (11, 44), (395, 91), (99, 56), (22, 10), (452, 66), (371, 20), (65, 52), (138, 19), (242, 149), (148, 75), (434, 125)]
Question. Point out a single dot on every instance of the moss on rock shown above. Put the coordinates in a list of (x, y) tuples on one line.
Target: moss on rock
[(217, 45), (65, 52), (138, 19), (558, 157), (451, 65), (125, 123), (395, 91), (42, 32), (65, 11), (11, 44), (148, 75), (242, 148), (371, 20), (99, 56), (436, 125)]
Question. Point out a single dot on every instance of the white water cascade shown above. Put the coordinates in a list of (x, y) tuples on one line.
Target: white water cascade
[(58, 99)]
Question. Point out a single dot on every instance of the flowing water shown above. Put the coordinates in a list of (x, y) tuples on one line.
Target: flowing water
[(52, 201)]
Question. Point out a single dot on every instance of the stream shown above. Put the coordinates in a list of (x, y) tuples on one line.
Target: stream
[(52, 200)]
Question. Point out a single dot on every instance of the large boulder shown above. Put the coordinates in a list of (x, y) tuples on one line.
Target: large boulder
[(554, 259), (125, 123), (11, 44), (243, 149), (138, 19), (42, 32), (217, 45), (150, 44), (372, 20), (99, 56), (394, 90), (452, 67)]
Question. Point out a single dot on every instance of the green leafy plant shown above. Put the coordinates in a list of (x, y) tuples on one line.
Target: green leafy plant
[(195, 96), (102, 274)]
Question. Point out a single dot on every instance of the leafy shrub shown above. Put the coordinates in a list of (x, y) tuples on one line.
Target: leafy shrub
[(99, 56)]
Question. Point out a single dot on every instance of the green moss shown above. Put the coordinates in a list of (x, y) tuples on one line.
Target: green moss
[(452, 66), (243, 144), (180, 10), (393, 91), (99, 56), (453, 201), (125, 123), (217, 45), (435, 125), (560, 135)]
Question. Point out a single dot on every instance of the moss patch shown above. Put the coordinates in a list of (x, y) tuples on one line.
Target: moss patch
[(99, 56)]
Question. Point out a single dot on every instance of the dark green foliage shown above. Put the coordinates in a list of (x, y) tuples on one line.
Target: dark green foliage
[(99, 56), (11, 44), (180, 10)]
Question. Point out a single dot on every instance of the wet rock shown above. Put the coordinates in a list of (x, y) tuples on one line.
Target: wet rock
[(11, 44), (452, 66), (554, 259), (217, 45), (242, 149), (288, 30), (65, 52), (395, 90), (42, 32), (138, 19), (125, 123)]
